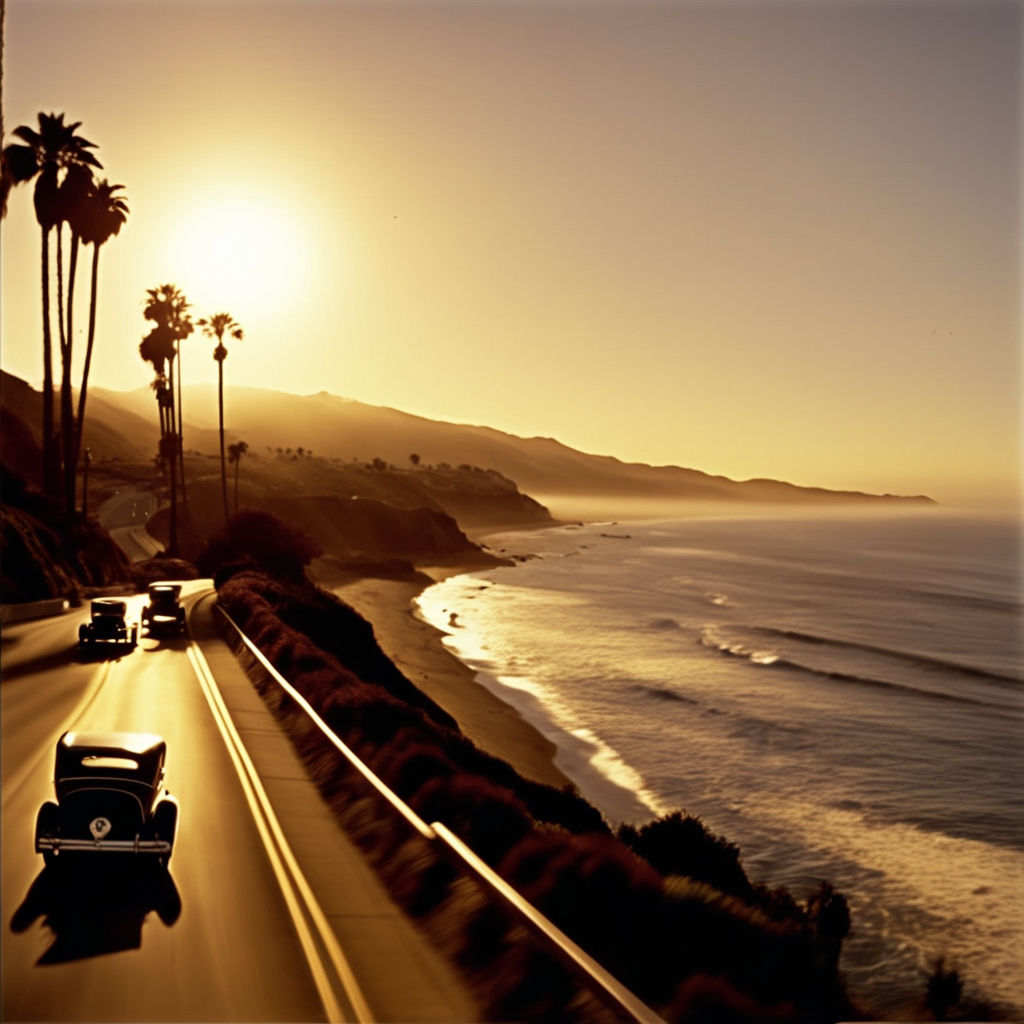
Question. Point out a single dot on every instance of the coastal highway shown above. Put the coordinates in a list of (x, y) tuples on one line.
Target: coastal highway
[(266, 913), (124, 516)]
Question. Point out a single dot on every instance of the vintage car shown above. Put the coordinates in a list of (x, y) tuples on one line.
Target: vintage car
[(164, 612), (110, 798), (107, 628)]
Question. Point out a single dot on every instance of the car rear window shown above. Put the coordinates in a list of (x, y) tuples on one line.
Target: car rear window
[(109, 761)]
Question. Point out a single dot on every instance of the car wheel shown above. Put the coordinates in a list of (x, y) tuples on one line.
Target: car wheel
[(165, 825), (47, 824)]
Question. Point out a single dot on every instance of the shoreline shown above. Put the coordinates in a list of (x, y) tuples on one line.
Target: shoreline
[(418, 650), (538, 747)]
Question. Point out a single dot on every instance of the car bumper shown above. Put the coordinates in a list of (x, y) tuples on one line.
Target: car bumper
[(137, 845)]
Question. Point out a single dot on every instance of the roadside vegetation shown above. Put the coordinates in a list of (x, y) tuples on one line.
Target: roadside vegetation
[(667, 908)]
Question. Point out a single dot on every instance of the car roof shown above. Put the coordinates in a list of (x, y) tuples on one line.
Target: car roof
[(109, 604), (137, 743), (162, 586)]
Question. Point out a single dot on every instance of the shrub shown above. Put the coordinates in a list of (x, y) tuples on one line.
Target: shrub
[(679, 844), (486, 817), (943, 991), (695, 943), (606, 898), (262, 539)]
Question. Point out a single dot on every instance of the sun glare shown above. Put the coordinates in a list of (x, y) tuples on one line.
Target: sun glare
[(239, 254)]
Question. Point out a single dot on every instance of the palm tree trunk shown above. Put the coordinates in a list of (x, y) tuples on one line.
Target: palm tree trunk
[(223, 463), (50, 469), (238, 463), (83, 390), (60, 441), (67, 431), (172, 537), (181, 428), (61, 332), (174, 455), (67, 416)]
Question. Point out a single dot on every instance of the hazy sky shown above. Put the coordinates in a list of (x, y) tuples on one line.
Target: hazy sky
[(754, 238)]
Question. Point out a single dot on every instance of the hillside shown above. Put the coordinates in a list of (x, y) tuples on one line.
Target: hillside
[(123, 426), (340, 428)]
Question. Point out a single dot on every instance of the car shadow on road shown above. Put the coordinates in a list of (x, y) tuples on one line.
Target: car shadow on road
[(46, 663), (111, 655), (164, 641), (93, 909)]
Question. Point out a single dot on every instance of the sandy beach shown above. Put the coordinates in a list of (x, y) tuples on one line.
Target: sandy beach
[(416, 648)]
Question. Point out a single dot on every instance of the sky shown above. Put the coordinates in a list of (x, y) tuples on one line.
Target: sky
[(752, 237)]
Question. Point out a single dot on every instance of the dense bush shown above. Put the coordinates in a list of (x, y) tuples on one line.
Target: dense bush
[(366, 700), (262, 540), (48, 554), (296, 622), (162, 568), (678, 844), (666, 908)]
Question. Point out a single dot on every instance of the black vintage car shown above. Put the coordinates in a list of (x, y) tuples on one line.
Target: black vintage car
[(110, 798), (107, 628), (164, 612)]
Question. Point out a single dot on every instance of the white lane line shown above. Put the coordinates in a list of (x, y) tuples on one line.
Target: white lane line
[(296, 890)]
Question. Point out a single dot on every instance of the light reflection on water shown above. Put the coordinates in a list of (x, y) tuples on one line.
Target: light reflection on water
[(869, 762)]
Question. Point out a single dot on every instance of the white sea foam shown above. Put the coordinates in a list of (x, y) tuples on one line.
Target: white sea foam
[(867, 728)]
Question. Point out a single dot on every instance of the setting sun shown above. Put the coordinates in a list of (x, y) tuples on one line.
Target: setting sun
[(239, 252), (606, 415)]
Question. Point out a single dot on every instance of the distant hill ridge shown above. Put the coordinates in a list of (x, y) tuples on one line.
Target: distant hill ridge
[(333, 427)]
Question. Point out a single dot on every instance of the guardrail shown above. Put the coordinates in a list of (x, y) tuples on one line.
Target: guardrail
[(588, 971), (11, 613)]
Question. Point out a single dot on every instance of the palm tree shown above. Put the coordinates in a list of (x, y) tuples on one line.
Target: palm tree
[(168, 309), (217, 326), (46, 156), (98, 220), (72, 197), (235, 453)]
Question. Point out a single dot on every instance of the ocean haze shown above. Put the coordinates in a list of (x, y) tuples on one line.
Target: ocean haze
[(761, 238), (338, 428), (574, 484)]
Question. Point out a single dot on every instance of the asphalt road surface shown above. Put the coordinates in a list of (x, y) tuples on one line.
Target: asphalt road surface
[(125, 516), (243, 926)]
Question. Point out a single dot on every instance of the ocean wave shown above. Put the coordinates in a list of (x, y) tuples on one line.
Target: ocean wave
[(773, 659), (663, 693), (909, 657)]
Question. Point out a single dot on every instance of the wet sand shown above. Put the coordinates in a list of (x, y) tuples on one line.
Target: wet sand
[(416, 648)]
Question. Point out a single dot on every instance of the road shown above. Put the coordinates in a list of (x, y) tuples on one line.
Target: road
[(125, 516), (227, 934)]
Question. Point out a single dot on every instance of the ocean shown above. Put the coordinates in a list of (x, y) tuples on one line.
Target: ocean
[(840, 695)]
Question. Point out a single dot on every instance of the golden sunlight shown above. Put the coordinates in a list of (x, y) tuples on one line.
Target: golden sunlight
[(242, 252)]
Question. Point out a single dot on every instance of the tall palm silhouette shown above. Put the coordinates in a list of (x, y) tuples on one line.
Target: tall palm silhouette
[(98, 220), (235, 453), (46, 155), (217, 326), (72, 197), (168, 309)]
